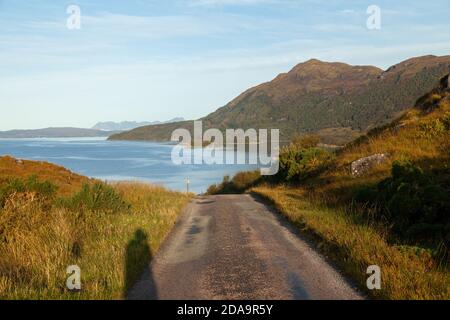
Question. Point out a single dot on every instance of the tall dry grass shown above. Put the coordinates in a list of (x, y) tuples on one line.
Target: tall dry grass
[(355, 244), (323, 206), (37, 245)]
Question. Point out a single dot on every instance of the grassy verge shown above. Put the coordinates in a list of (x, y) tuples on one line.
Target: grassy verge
[(110, 232), (355, 244)]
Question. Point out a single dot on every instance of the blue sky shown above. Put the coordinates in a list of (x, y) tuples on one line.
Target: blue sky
[(154, 60)]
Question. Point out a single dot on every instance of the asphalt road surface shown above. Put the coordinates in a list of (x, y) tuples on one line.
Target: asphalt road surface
[(235, 247)]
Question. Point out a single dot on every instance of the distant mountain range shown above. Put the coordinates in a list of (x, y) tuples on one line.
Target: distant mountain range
[(336, 101), (66, 132), (101, 129), (129, 125)]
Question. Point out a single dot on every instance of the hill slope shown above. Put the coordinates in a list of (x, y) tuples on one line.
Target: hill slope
[(393, 215), (66, 181), (51, 218), (335, 100)]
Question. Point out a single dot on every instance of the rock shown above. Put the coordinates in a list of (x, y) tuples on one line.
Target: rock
[(363, 165)]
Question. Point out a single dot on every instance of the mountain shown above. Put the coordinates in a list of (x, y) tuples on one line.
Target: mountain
[(129, 125), (55, 133), (336, 101)]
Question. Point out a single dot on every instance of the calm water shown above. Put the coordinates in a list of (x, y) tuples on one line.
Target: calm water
[(113, 160)]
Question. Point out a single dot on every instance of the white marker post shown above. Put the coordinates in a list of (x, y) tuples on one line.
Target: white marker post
[(187, 184)]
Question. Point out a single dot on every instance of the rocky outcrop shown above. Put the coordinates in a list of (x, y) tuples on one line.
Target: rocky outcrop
[(363, 165)]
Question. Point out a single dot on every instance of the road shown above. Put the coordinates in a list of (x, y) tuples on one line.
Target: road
[(235, 247)]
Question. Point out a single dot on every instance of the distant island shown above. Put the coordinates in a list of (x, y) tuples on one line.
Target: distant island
[(130, 125), (101, 129), (63, 132)]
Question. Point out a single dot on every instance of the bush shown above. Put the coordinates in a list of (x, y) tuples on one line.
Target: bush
[(298, 163), (43, 190), (434, 128), (98, 197), (416, 205), (213, 189), (245, 180), (238, 184)]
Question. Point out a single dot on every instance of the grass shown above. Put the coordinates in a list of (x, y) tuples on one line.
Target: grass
[(240, 182), (355, 244), (359, 234), (408, 139), (66, 181), (111, 244)]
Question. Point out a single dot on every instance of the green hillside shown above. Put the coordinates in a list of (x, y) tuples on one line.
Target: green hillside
[(334, 100)]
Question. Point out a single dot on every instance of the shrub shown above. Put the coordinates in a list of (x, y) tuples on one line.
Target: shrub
[(429, 101), (213, 189), (416, 205), (43, 190), (435, 127), (244, 180), (240, 182), (297, 163), (98, 197)]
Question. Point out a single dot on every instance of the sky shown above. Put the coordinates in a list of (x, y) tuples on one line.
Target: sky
[(155, 60)]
